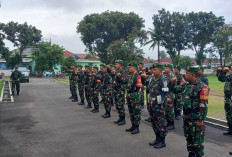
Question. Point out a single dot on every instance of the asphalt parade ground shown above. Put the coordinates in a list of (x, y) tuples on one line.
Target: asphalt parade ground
[(43, 122)]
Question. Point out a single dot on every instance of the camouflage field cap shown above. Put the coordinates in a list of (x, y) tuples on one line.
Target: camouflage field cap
[(201, 67), (141, 63), (133, 64), (119, 61), (102, 65), (79, 66), (16, 67), (95, 67), (87, 66), (158, 65), (177, 67), (111, 65), (169, 66), (193, 68)]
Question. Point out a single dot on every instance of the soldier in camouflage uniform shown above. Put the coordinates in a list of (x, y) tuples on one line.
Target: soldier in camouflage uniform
[(195, 100), (158, 97), (178, 96), (225, 75), (81, 83), (107, 91), (73, 82), (147, 80), (202, 76), (15, 78), (170, 115), (87, 78), (101, 73), (119, 87), (134, 86), (95, 83), (142, 71)]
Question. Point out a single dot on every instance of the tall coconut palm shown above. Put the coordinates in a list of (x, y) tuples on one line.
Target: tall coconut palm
[(155, 41)]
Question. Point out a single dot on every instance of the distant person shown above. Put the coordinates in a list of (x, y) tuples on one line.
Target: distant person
[(15, 78)]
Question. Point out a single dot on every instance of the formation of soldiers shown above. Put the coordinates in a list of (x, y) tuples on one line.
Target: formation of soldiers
[(167, 94)]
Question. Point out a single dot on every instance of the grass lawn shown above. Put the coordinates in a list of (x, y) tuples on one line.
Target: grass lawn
[(64, 80), (1, 86), (216, 99)]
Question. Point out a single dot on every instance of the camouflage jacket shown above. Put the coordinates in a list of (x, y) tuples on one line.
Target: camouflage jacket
[(148, 81), (95, 81), (133, 85), (120, 81), (81, 78), (204, 79), (107, 83), (16, 75), (87, 77), (227, 78), (168, 79), (158, 89), (195, 100)]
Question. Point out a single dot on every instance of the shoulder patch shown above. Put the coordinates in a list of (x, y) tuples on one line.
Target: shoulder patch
[(204, 94)]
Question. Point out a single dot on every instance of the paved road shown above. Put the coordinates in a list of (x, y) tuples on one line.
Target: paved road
[(44, 123)]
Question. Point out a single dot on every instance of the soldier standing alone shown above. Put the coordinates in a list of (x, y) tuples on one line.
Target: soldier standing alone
[(15, 77)]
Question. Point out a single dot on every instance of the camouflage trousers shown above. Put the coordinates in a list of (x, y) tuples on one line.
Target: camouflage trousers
[(228, 110), (148, 104), (170, 115), (15, 84), (102, 94), (195, 137), (158, 119), (134, 106), (73, 87), (95, 98), (142, 97), (88, 94), (178, 104), (107, 97), (81, 91), (120, 102)]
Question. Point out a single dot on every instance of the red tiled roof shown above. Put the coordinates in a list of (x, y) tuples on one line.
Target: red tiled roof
[(68, 53)]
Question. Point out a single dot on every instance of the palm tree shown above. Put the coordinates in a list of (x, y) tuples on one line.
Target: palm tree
[(154, 41)]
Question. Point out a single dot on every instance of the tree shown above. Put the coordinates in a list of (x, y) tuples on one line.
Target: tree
[(185, 61), (21, 35), (222, 42), (68, 62), (47, 57), (98, 31), (163, 55), (201, 27), (88, 56)]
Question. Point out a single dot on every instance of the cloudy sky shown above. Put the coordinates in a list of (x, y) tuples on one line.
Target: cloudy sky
[(58, 18)]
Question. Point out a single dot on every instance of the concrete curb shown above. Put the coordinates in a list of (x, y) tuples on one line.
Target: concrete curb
[(11, 96), (2, 91)]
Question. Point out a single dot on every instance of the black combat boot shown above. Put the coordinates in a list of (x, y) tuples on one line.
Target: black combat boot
[(131, 128), (12, 92), (170, 125), (103, 115), (75, 100), (95, 110), (191, 154), (17, 93), (89, 106), (107, 115), (81, 103), (122, 121), (178, 116), (230, 153), (229, 131), (161, 143), (148, 119), (156, 141), (136, 130), (117, 121), (71, 97)]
